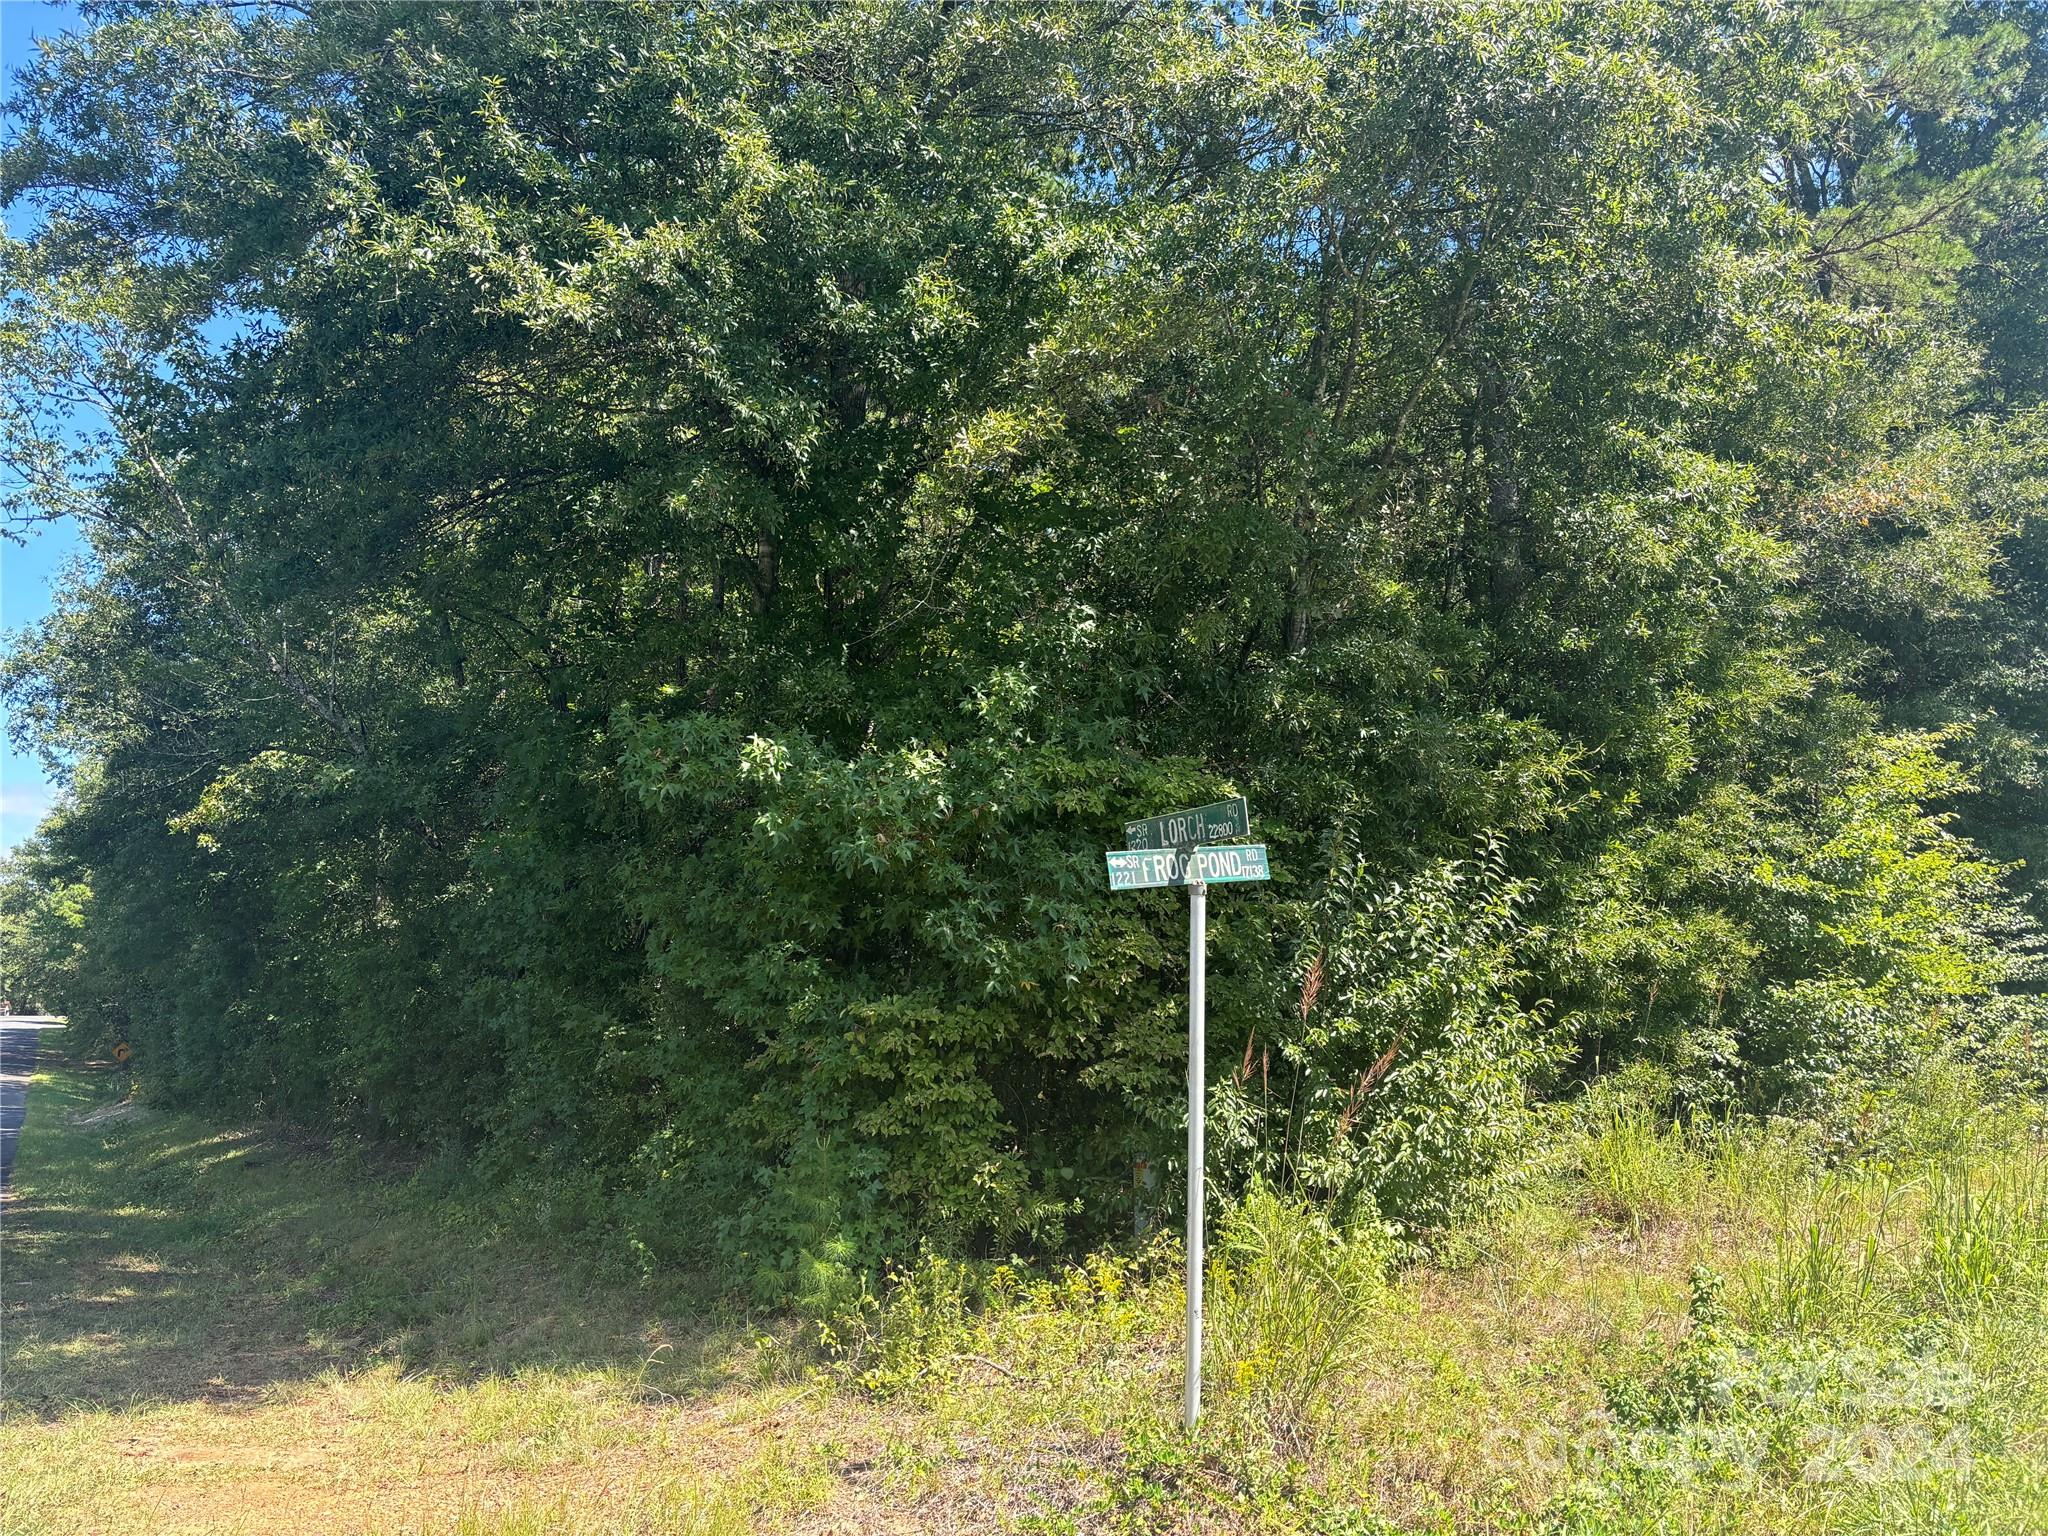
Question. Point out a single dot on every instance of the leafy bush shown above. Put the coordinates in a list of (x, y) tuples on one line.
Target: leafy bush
[(900, 972), (1418, 1062)]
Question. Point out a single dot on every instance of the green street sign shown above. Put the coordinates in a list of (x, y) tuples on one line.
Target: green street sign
[(1184, 829), (1136, 869)]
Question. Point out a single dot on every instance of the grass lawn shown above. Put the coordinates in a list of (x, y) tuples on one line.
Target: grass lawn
[(222, 1329)]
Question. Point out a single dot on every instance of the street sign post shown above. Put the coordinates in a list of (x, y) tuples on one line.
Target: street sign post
[(1173, 850)]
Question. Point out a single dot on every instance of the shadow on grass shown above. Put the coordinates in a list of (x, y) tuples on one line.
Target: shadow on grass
[(148, 1257)]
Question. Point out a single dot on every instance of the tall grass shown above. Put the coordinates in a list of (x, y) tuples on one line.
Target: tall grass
[(1294, 1300), (1636, 1170), (1827, 1271), (1986, 1232)]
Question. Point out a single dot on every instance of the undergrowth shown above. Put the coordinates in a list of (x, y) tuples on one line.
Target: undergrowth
[(1826, 1332)]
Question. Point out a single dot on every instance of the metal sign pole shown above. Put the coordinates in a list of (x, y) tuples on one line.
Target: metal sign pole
[(1165, 850), (1198, 926)]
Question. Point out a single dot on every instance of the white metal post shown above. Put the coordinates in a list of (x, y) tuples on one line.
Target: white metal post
[(1198, 926)]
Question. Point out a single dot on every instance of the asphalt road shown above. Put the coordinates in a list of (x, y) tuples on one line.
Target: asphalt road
[(19, 1041)]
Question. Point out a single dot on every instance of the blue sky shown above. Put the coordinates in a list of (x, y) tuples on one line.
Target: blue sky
[(28, 573)]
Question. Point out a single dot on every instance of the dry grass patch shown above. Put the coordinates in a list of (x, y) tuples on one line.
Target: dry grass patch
[(377, 1452)]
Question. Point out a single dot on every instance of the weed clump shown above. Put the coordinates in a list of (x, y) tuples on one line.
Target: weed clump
[(1295, 1300)]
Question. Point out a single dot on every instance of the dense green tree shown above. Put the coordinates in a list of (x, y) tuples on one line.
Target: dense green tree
[(642, 553)]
